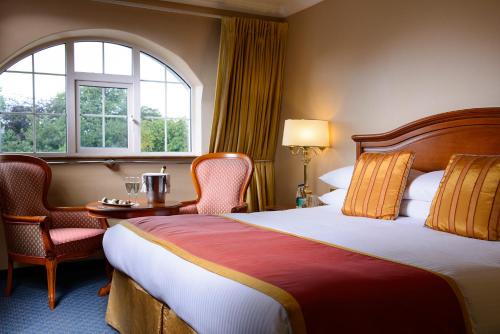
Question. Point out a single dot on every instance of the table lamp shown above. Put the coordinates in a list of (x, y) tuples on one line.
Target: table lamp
[(306, 137)]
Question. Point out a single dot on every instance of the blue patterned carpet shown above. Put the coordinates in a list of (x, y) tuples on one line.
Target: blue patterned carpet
[(78, 308)]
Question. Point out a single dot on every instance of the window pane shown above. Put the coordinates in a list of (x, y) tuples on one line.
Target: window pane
[(51, 60), (116, 132), (117, 59), (151, 69), (152, 99), (90, 131), (24, 65), (153, 135), (88, 57), (50, 94), (172, 77), (16, 92), (51, 133), (90, 100), (116, 101), (16, 133), (178, 101), (178, 135)]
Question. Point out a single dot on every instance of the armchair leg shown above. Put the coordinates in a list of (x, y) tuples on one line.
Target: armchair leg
[(51, 267), (10, 273)]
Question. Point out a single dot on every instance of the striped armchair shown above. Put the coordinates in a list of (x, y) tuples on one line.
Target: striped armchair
[(36, 233), (220, 180)]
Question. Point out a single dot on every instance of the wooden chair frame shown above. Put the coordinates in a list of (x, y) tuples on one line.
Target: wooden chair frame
[(51, 259), (242, 206)]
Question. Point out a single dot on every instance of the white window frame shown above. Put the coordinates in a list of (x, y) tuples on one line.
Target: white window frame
[(132, 82), (128, 117)]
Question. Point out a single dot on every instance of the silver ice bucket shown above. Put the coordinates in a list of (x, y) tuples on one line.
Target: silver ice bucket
[(156, 186)]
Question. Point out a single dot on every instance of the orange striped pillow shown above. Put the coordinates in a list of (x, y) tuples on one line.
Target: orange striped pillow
[(377, 185), (467, 202)]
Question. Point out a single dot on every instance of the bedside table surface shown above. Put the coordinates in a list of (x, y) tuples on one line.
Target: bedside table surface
[(142, 209)]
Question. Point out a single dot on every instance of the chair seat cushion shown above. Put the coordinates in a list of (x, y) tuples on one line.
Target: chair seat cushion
[(76, 240), (63, 235)]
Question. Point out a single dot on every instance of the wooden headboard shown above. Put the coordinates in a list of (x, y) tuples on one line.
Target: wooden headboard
[(434, 139)]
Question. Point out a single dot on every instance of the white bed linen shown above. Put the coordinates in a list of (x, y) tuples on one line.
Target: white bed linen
[(213, 304)]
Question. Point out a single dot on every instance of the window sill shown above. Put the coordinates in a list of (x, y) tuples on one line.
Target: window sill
[(114, 160)]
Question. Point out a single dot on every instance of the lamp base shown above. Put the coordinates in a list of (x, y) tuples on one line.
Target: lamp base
[(307, 190)]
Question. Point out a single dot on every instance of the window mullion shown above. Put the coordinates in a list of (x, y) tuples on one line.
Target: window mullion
[(102, 55), (135, 123), (166, 113), (33, 135), (72, 130), (103, 117)]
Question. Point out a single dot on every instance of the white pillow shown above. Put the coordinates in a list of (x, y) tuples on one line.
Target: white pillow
[(415, 209), (424, 186), (334, 198), (339, 178), (408, 208)]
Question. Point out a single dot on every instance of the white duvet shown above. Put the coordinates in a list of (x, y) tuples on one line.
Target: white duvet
[(213, 304)]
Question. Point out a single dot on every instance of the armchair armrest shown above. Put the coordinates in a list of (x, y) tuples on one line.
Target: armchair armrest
[(77, 217), (191, 202), (68, 208), (241, 208), (18, 228), (188, 207), (25, 219)]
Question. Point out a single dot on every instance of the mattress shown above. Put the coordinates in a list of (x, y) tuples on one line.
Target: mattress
[(210, 303)]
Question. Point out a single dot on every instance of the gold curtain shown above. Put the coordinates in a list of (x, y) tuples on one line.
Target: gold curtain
[(248, 98)]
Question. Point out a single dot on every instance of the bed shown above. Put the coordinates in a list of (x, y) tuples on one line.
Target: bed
[(156, 290)]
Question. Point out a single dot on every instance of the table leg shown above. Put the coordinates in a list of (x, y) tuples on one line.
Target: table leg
[(104, 291)]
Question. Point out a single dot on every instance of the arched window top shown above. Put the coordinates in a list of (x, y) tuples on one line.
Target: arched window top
[(102, 57), (119, 98)]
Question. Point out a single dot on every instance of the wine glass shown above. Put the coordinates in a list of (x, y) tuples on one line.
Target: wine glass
[(132, 185), (136, 186)]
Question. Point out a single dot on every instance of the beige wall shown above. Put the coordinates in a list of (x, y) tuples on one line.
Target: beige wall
[(194, 39), (370, 66)]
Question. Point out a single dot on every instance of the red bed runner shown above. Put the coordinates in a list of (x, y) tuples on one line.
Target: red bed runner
[(338, 290)]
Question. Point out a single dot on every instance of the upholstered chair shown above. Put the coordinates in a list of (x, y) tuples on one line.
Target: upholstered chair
[(220, 181), (35, 232)]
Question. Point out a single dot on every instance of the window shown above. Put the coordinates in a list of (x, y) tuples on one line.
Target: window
[(165, 108), (102, 117), (33, 103), (94, 97)]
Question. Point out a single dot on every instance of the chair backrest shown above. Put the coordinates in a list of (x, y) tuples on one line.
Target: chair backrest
[(221, 180), (24, 183)]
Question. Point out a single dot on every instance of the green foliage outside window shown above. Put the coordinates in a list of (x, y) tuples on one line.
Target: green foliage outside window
[(16, 127), (177, 135), (95, 104), (153, 132)]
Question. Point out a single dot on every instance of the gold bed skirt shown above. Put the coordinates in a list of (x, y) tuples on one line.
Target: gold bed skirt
[(133, 310)]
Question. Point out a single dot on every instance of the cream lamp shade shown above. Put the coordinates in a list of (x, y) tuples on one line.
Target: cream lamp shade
[(306, 133)]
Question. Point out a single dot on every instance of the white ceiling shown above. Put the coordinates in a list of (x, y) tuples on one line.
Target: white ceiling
[(277, 8)]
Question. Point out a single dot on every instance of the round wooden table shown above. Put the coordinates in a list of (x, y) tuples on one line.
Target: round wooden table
[(141, 209)]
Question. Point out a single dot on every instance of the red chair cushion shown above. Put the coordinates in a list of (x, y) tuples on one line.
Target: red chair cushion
[(76, 240)]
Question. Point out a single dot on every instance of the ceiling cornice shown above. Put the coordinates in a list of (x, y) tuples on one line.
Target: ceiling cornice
[(277, 8), (188, 8)]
